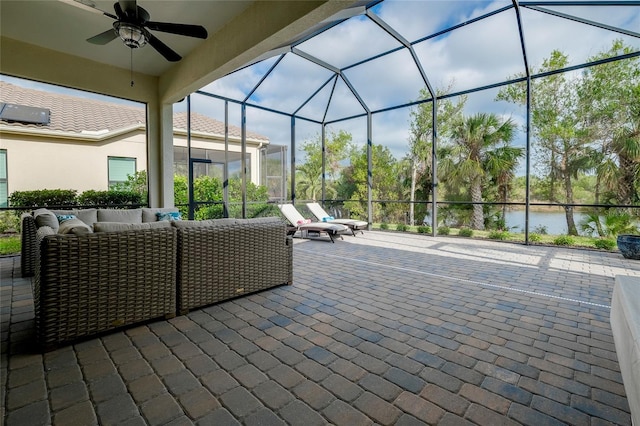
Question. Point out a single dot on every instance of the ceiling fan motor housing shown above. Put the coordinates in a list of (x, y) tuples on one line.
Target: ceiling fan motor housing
[(132, 35)]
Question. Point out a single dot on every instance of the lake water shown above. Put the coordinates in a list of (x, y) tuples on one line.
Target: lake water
[(555, 222)]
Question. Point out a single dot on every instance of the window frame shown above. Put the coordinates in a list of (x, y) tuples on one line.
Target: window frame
[(5, 180), (111, 183)]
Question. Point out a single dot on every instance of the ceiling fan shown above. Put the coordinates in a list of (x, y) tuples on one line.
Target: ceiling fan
[(132, 25)]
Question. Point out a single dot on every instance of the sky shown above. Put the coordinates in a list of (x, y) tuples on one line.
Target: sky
[(477, 54)]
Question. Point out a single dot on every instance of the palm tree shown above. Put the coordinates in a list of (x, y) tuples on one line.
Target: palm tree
[(502, 166), (477, 142)]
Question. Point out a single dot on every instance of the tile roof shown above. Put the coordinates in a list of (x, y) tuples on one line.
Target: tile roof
[(75, 114)]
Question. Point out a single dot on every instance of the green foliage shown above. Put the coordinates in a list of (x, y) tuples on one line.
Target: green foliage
[(353, 184), (9, 221), (424, 229), (209, 189), (109, 198), (465, 232), (540, 229), (309, 172), (10, 245), (136, 184), (499, 234), (384, 225), (605, 243), (564, 240), (402, 227), (444, 230), (43, 198), (609, 223), (535, 238)]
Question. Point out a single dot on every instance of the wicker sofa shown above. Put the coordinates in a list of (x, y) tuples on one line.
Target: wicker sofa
[(93, 282), (31, 221), (225, 258)]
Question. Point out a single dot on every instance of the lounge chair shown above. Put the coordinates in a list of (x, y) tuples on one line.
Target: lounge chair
[(352, 224), (307, 228)]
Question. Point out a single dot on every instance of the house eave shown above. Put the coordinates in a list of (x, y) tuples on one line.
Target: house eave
[(73, 136)]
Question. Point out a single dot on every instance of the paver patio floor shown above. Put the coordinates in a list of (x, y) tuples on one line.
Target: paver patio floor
[(383, 328)]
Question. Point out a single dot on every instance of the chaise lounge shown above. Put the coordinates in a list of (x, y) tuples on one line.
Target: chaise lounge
[(353, 224), (307, 228)]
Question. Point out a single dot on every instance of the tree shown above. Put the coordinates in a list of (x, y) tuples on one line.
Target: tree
[(353, 183), (561, 144), (309, 173), (420, 140), (609, 100), (480, 151)]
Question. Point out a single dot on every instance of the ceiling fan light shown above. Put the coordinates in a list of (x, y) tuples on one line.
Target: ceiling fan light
[(132, 35)]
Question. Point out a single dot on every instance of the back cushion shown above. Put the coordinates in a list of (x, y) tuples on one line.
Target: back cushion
[(88, 216), (149, 214), (122, 216), (45, 217)]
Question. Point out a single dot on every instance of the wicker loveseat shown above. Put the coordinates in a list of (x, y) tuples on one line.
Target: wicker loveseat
[(225, 258), (92, 283)]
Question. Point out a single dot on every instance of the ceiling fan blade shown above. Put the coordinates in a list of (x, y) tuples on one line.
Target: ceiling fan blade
[(163, 49), (129, 7), (180, 29), (103, 38), (88, 6)]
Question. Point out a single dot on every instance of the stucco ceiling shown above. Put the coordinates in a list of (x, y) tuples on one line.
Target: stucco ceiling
[(59, 25)]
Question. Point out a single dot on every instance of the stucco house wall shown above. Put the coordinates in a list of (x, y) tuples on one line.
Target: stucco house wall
[(72, 150)]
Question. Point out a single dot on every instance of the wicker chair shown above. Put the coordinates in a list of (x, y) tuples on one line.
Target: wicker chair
[(93, 283), (220, 262), (29, 247)]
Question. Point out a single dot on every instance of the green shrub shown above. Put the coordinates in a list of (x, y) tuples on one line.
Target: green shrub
[(402, 227), (499, 234), (9, 221), (444, 230), (109, 198), (564, 240), (605, 243), (384, 225), (43, 198), (540, 229), (424, 229), (465, 232), (535, 238)]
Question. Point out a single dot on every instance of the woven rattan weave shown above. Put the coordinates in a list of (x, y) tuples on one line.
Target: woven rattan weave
[(92, 283), (225, 261)]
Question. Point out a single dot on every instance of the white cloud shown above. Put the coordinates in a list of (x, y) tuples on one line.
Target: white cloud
[(482, 53)]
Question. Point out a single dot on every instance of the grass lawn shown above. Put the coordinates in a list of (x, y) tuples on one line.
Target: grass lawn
[(560, 240), (9, 244)]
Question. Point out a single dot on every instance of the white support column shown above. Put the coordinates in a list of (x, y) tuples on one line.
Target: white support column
[(160, 154)]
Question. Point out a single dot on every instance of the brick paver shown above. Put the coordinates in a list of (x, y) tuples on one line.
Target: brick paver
[(384, 328)]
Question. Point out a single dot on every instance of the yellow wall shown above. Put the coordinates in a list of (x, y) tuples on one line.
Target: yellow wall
[(35, 162), (41, 163)]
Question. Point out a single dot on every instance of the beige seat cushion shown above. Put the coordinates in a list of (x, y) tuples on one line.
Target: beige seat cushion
[(119, 226), (74, 226), (181, 224)]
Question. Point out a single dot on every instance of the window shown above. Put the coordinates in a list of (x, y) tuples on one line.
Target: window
[(4, 183), (120, 168)]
